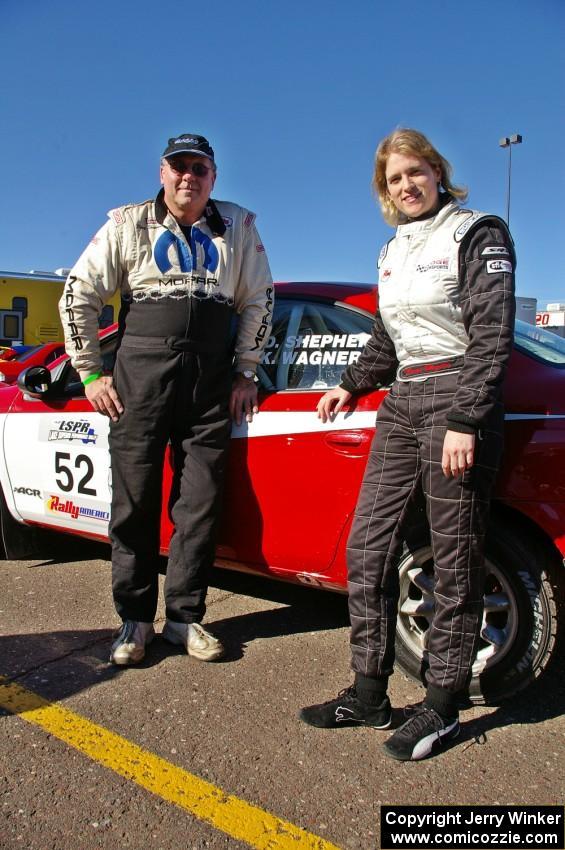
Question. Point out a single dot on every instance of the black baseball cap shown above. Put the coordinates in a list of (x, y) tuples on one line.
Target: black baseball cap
[(189, 143)]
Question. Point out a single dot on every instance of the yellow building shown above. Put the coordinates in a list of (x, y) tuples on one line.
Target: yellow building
[(29, 313)]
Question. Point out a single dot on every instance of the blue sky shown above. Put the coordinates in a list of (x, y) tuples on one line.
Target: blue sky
[(294, 97)]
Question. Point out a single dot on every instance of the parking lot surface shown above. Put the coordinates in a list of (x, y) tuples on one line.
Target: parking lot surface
[(176, 753)]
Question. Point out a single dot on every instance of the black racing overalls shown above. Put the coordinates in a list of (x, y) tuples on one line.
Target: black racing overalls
[(173, 375)]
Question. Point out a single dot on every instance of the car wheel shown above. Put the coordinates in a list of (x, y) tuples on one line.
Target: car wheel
[(521, 626), (17, 541)]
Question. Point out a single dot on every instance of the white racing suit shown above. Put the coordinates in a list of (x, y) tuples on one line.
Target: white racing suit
[(182, 291), (444, 328)]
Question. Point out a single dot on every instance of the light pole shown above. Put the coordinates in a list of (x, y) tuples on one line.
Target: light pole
[(507, 142)]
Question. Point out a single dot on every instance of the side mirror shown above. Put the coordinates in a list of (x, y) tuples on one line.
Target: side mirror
[(36, 381)]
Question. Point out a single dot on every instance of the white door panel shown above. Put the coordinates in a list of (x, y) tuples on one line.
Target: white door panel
[(58, 468)]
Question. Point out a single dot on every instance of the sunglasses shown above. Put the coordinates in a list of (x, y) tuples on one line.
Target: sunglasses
[(198, 169)]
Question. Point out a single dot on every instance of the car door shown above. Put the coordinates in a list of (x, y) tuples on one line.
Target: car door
[(292, 481), (57, 459)]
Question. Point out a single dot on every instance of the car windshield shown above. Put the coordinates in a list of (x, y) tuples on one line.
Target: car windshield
[(541, 344)]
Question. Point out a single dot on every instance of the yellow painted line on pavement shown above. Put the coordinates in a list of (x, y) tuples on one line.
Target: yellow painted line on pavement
[(205, 801)]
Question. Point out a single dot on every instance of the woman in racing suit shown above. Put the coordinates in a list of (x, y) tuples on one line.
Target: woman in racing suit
[(444, 329)]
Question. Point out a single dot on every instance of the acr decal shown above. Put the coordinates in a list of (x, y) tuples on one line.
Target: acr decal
[(118, 217), (434, 264), (249, 219), (464, 227), (496, 266), (27, 491), (55, 504), (73, 429), (187, 260), (495, 249)]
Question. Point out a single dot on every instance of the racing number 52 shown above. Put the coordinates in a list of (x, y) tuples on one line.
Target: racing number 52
[(66, 482)]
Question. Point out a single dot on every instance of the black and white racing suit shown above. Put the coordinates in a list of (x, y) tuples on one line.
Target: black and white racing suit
[(444, 328), (183, 288)]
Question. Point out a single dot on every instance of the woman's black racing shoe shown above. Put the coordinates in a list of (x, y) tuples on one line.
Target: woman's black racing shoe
[(425, 731), (348, 710)]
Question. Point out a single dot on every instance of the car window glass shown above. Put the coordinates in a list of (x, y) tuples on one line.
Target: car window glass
[(71, 385), (543, 345), (53, 355), (311, 343), (26, 355)]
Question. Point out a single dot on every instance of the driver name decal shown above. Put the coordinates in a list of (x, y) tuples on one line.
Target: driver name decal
[(338, 349)]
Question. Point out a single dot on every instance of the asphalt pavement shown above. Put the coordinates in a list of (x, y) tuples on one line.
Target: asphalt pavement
[(226, 732)]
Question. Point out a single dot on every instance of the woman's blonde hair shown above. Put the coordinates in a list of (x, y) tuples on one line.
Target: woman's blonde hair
[(410, 143)]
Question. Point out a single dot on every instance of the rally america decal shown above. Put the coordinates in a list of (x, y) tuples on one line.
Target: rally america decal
[(63, 505)]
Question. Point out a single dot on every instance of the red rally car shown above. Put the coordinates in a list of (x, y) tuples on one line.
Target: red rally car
[(293, 482), (12, 362)]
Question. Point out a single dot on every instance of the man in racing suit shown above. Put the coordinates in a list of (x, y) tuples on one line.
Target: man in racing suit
[(187, 267), (444, 329)]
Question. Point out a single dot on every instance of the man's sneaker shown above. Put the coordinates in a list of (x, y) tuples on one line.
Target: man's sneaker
[(348, 710), (195, 639), (130, 643), (423, 733)]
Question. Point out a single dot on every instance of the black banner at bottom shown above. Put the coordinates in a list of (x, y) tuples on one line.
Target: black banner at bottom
[(472, 827)]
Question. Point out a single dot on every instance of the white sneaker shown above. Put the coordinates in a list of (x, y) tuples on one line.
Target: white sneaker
[(195, 639), (129, 646)]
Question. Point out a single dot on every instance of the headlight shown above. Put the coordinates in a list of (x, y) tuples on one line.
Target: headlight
[(2, 376)]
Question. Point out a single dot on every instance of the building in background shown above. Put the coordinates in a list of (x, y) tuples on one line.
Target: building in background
[(552, 318), (29, 312), (526, 309)]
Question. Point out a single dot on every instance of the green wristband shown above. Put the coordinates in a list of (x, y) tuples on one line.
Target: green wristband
[(91, 378)]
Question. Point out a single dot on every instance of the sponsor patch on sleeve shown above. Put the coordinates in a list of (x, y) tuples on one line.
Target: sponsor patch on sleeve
[(249, 219), (472, 218), (498, 266), (382, 255), (118, 216), (260, 249), (490, 250)]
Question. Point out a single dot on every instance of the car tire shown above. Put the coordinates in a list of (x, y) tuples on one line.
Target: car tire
[(17, 541), (522, 626)]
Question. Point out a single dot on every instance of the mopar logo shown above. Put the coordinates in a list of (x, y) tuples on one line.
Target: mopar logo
[(186, 259)]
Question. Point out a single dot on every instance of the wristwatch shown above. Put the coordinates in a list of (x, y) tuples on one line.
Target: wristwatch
[(248, 374)]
